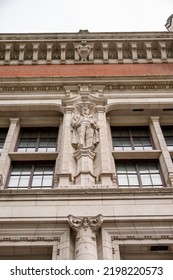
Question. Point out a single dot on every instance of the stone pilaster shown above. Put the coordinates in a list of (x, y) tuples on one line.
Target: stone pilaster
[(35, 53), (65, 163), (9, 146), (21, 53), (134, 51), (49, 53), (8, 47), (148, 51), (105, 46), (165, 158), (63, 52), (163, 51), (85, 236), (120, 51), (105, 167)]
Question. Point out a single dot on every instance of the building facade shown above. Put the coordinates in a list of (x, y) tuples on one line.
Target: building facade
[(86, 143)]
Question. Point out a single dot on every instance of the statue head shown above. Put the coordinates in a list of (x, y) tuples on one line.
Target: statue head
[(85, 110)]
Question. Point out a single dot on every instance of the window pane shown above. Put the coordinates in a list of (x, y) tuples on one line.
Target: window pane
[(133, 180), (121, 168), (131, 169), (156, 179), (24, 181), (146, 181), (123, 181), (14, 180), (47, 181), (37, 181)]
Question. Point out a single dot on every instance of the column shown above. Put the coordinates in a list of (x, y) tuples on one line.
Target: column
[(163, 51), (66, 165), (63, 52), (8, 47), (148, 51), (9, 146), (105, 51), (120, 51), (105, 157), (21, 53), (165, 158), (134, 51), (49, 53), (35, 53), (85, 236)]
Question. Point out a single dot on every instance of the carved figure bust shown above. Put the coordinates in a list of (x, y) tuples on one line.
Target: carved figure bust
[(85, 130)]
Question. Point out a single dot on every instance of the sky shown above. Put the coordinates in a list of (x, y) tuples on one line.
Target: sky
[(39, 16)]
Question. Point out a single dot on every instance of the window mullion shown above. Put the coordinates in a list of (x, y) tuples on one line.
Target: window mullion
[(31, 176), (138, 175)]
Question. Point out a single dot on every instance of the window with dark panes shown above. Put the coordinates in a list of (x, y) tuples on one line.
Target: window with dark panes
[(138, 174), (31, 175), (38, 140), (168, 134), (131, 138), (3, 134)]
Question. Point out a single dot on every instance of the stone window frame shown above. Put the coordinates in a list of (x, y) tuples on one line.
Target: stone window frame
[(38, 139), (131, 138), (138, 175), (32, 174)]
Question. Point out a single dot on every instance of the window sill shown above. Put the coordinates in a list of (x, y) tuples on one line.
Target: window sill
[(17, 156), (154, 154)]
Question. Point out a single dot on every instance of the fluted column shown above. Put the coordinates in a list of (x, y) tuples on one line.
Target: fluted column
[(85, 236)]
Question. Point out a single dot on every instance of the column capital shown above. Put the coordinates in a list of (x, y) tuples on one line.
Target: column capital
[(14, 120), (86, 222)]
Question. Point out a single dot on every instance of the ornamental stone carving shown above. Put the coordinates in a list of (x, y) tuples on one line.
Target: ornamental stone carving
[(85, 223), (85, 130), (84, 50), (85, 236)]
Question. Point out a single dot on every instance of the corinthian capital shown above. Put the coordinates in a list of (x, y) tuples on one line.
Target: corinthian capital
[(84, 223)]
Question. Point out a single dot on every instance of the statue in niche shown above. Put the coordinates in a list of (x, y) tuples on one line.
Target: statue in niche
[(85, 130)]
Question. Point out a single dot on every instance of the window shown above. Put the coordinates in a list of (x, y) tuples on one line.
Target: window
[(138, 174), (3, 133), (38, 140), (168, 134), (31, 175), (131, 138)]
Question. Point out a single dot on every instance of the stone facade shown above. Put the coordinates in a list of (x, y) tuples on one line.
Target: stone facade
[(86, 138)]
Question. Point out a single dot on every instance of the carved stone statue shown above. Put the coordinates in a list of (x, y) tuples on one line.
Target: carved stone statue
[(84, 50), (85, 130)]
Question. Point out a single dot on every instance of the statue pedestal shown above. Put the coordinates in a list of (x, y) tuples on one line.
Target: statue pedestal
[(85, 157)]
